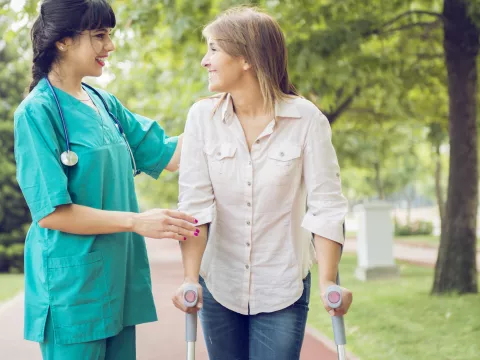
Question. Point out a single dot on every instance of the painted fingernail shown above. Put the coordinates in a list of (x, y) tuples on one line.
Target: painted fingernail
[(196, 234), (196, 221), (197, 230), (184, 238)]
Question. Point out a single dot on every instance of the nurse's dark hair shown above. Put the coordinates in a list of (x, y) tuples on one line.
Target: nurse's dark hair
[(59, 19)]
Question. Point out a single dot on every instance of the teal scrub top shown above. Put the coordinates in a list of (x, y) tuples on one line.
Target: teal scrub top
[(93, 285)]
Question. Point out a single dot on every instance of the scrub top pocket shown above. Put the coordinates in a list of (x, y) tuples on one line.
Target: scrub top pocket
[(80, 305)]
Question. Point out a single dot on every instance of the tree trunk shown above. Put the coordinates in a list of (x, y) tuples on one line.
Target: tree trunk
[(456, 266)]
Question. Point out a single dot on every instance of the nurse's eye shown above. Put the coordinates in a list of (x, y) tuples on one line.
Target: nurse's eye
[(100, 36)]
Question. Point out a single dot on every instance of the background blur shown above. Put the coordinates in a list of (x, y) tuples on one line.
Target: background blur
[(383, 75)]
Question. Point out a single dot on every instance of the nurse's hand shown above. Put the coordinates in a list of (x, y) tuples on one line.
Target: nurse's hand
[(164, 224), (177, 299)]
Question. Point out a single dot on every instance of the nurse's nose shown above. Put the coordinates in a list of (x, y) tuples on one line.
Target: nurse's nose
[(110, 46)]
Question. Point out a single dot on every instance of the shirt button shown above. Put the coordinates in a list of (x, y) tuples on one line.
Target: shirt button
[(248, 222), (219, 153), (248, 244), (247, 267), (249, 183), (249, 204), (282, 154), (250, 163)]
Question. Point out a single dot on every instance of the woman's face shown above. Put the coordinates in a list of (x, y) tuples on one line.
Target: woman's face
[(88, 52), (224, 71)]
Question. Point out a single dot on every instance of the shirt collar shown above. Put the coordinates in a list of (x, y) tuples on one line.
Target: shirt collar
[(284, 109)]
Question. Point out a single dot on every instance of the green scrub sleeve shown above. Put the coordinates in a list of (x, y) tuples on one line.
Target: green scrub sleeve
[(151, 147), (40, 173)]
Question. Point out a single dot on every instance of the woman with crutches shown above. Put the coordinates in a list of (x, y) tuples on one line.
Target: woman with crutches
[(252, 157)]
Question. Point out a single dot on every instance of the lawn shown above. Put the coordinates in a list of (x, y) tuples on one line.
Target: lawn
[(10, 285), (399, 320)]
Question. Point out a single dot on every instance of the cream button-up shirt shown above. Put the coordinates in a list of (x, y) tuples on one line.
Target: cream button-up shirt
[(262, 205)]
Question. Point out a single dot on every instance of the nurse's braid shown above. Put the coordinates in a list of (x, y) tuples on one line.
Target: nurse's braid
[(44, 50)]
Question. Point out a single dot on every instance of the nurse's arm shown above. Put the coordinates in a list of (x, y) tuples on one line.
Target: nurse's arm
[(174, 163), (154, 223)]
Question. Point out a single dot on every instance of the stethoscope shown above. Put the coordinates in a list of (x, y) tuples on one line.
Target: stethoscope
[(69, 157)]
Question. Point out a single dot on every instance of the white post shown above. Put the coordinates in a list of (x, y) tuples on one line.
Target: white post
[(375, 241)]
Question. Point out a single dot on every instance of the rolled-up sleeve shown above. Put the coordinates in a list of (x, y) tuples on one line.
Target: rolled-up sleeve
[(326, 205), (195, 188)]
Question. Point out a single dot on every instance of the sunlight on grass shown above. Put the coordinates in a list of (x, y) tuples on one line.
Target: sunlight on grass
[(399, 320)]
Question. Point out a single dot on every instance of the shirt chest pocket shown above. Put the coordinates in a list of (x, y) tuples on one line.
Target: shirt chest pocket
[(283, 163), (221, 161)]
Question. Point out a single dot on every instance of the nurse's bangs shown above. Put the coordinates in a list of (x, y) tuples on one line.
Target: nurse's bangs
[(99, 15)]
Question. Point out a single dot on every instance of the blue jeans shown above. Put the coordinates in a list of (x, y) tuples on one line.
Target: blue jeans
[(265, 336)]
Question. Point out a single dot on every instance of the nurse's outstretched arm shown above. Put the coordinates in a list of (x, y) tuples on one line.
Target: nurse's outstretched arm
[(153, 149), (174, 163), (155, 223), (44, 185)]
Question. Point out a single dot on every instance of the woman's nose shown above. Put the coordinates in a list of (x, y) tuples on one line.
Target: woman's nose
[(205, 62)]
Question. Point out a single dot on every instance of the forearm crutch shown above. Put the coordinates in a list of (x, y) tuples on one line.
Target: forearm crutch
[(190, 298), (334, 299)]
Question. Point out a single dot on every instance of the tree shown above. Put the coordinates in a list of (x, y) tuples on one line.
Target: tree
[(456, 264), (14, 213)]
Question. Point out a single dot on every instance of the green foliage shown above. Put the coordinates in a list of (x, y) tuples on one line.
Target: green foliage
[(14, 214), (418, 227)]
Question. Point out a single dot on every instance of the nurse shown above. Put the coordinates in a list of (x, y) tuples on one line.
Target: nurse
[(87, 277)]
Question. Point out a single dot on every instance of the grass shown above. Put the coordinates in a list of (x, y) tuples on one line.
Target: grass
[(10, 285), (399, 320)]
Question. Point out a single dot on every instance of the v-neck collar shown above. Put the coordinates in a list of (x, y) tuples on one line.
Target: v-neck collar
[(77, 104)]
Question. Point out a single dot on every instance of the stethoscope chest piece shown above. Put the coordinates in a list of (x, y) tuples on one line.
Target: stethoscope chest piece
[(69, 158)]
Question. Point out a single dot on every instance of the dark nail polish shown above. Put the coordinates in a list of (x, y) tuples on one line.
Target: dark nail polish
[(196, 234), (196, 221), (184, 238)]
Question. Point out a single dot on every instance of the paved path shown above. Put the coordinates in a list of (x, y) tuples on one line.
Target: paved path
[(415, 254), (163, 339)]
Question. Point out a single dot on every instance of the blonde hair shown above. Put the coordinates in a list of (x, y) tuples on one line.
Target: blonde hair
[(256, 36)]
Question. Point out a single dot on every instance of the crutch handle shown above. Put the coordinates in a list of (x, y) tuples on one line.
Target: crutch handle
[(190, 298), (333, 296)]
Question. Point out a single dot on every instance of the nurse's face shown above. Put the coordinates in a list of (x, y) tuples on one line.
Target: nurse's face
[(88, 52), (225, 72)]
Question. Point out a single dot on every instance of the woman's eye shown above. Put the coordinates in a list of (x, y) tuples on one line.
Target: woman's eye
[(100, 36)]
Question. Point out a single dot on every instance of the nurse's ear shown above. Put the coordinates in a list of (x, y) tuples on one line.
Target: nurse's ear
[(64, 44)]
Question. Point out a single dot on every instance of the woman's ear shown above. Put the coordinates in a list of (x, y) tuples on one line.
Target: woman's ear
[(64, 44)]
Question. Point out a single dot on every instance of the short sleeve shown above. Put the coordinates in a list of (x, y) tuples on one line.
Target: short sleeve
[(40, 173), (151, 147)]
